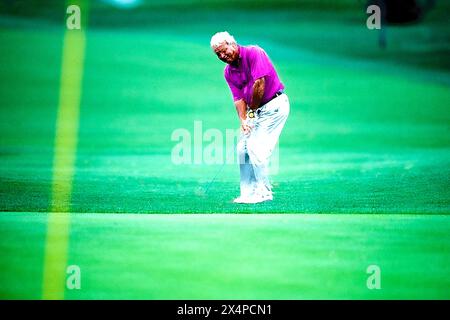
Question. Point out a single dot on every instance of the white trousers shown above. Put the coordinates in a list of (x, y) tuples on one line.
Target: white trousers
[(254, 149)]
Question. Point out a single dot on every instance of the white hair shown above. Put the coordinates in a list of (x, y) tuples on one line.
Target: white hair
[(221, 37)]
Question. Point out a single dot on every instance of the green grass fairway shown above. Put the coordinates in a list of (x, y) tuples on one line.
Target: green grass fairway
[(358, 140), (364, 159), (235, 256)]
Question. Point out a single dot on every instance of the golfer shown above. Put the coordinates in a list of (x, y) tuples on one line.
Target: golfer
[(262, 108)]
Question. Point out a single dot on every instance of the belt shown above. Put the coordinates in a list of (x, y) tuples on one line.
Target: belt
[(252, 113), (277, 94)]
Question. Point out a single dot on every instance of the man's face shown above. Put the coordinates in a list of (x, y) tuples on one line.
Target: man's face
[(228, 53)]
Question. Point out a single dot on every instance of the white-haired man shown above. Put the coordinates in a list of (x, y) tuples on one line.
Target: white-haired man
[(262, 107)]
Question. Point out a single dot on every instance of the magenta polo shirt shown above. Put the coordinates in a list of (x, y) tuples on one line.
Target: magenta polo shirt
[(253, 64)]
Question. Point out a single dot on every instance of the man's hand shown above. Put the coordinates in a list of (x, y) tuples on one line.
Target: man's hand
[(246, 127), (241, 108)]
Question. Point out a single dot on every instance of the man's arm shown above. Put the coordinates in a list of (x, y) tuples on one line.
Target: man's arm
[(241, 108), (258, 93)]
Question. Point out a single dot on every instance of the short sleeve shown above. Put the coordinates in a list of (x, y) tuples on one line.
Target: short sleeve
[(259, 63), (235, 91)]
